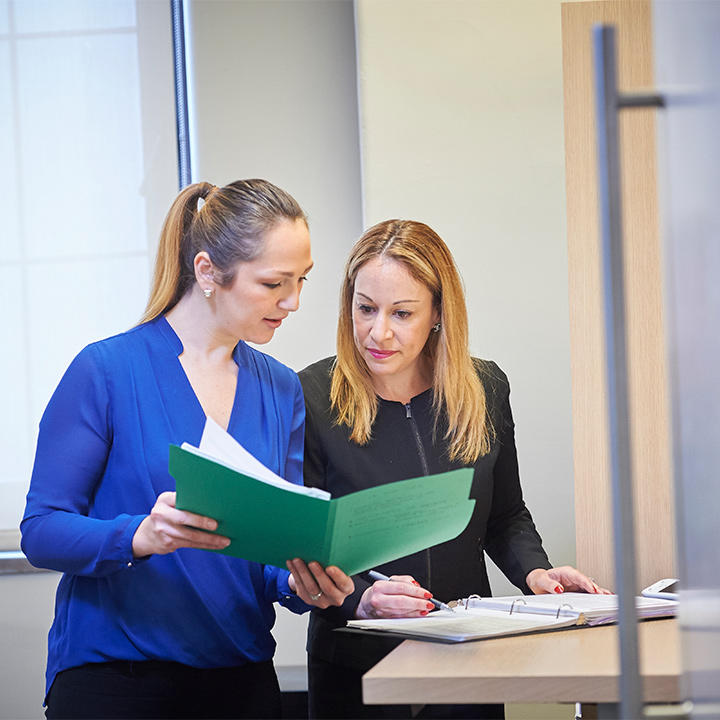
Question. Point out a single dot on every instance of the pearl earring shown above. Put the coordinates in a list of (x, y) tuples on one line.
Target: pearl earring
[(207, 292)]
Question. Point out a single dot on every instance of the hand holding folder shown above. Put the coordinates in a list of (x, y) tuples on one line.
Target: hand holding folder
[(270, 520)]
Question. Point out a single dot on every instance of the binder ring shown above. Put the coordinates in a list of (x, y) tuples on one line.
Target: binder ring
[(469, 598), (512, 607), (560, 607)]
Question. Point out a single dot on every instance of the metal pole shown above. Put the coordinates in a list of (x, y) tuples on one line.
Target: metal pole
[(607, 106), (181, 93)]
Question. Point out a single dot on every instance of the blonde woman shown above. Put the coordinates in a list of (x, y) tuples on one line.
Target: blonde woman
[(146, 625), (404, 398)]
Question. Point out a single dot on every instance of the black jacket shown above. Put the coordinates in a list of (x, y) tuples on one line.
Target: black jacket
[(402, 446)]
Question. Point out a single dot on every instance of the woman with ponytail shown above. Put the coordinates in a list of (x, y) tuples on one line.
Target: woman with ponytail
[(146, 625)]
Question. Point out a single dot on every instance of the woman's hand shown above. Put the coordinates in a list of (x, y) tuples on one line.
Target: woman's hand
[(317, 586), (166, 529), (562, 579), (403, 597)]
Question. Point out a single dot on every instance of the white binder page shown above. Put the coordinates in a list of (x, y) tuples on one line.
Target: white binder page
[(218, 445)]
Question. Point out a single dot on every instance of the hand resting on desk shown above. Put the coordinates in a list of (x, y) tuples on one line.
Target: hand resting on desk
[(562, 579)]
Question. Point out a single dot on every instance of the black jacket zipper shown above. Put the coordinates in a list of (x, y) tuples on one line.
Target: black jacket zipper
[(423, 463)]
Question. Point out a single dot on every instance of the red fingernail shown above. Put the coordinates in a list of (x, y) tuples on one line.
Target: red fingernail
[(428, 595), (430, 606), (423, 612), (558, 588), (415, 582)]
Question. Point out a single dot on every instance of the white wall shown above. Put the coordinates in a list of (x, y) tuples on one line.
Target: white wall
[(461, 109)]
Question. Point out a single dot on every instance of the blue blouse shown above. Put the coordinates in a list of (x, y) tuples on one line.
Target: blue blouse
[(101, 461)]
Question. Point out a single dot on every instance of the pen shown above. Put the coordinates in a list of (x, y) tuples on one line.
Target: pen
[(375, 575)]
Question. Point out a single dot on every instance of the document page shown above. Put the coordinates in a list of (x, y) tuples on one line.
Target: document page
[(218, 445), (264, 521), (464, 625)]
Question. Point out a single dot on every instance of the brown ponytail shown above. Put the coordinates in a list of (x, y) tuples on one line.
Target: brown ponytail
[(229, 226), (166, 278)]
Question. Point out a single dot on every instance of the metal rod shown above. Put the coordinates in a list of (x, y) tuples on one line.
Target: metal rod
[(607, 107), (641, 100), (181, 94)]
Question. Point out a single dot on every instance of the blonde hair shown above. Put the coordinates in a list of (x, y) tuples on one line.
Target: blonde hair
[(230, 226), (457, 390)]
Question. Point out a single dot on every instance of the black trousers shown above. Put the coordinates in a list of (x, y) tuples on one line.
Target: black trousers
[(154, 689), (335, 691)]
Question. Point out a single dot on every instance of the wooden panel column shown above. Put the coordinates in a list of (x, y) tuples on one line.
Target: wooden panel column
[(648, 402)]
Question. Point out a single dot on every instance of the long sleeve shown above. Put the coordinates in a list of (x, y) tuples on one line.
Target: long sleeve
[(73, 445), (512, 540)]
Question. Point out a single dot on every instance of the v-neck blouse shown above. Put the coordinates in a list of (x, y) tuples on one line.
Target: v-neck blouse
[(101, 462)]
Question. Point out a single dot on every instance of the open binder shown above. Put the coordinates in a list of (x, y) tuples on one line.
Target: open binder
[(477, 618)]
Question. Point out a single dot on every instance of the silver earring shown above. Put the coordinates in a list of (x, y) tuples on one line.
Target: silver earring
[(436, 327), (207, 292)]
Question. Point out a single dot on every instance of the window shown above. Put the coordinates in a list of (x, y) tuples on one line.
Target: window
[(87, 137)]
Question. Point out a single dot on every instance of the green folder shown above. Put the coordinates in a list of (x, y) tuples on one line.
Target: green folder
[(270, 524)]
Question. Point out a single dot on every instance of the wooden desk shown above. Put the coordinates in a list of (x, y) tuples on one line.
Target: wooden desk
[(578, 665)]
